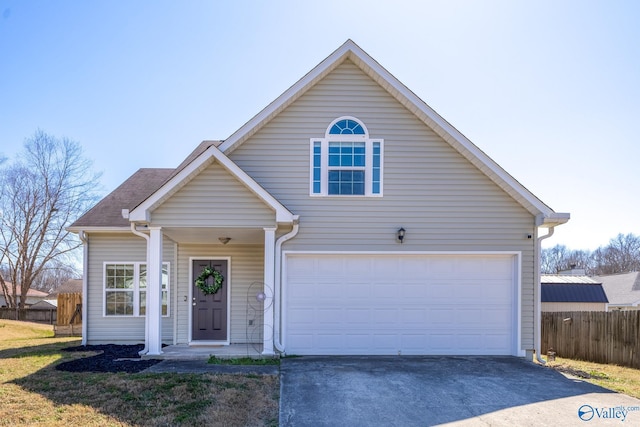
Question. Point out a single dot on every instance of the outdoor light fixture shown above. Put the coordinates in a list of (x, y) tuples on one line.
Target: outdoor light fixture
[(401, 232), (224, 240), (261, 296)]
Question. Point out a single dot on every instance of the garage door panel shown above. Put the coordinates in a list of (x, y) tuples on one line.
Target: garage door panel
[(407, 304), (359, 316)]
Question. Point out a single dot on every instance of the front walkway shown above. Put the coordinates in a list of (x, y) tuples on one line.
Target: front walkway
[(204, 352)]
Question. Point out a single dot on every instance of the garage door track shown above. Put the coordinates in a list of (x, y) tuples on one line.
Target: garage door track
[(421, 391)]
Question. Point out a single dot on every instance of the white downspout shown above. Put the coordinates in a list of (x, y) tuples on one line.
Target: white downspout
[(85, 294), (277, 295), (537, 325), (145, 350)]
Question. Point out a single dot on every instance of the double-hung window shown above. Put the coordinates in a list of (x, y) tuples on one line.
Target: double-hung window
[(346, 162), (125, 289)]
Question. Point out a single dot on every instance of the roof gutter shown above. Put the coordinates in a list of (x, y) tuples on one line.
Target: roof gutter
[(145, 350), (277, 297), (537, 323), (85, 269)]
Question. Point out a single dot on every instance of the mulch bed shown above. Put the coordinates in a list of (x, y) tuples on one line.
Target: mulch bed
[(111, 358)]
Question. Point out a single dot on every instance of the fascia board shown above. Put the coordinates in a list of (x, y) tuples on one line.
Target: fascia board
[(411, 101), (553, 219), (142, 212), (97, 229), (290, 95), (448, 132)]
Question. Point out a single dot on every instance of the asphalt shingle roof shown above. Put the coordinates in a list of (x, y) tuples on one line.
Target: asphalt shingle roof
[(138, 187), (622, 288), (108, 211)]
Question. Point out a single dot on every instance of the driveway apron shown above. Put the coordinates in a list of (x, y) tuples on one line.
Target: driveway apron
[(424, 391)]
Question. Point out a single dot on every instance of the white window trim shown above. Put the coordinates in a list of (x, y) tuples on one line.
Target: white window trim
[(324, 161), (135, 290)]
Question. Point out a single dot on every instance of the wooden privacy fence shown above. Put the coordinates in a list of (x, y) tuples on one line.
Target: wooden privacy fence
[(595, 336), (69, 309), (29, 315)]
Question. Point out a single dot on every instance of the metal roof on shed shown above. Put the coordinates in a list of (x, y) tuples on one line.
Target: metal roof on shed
[(573, 292)]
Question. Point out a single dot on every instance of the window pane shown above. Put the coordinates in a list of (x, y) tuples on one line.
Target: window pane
[(375, 185), (164, 303), (143, 303), (347, 182), (165, 277), (317, 167), (143, 276), (119, 303), (347, 127)]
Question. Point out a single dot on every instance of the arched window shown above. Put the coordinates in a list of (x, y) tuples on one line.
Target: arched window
[(346, 162)]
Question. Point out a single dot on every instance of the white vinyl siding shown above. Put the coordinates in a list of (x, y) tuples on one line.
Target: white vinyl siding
[(120, 329), (444, 202), (247, 268), (213, 198)]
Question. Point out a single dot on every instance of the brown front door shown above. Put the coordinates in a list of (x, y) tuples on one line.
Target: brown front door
[(209, 315)]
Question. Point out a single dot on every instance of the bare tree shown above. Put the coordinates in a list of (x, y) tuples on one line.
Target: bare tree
[(55, 274), (555, 259), (622, 255), (46, 187)]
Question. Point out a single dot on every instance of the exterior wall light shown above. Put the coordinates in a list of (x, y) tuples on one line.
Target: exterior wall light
[(224, 240), (401, 232)]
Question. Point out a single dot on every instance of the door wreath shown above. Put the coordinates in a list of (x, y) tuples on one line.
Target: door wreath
[(209, 288)]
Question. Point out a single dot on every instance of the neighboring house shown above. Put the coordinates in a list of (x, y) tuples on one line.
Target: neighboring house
[(33, 296), (561, 292), (350, 213), (623, 290)]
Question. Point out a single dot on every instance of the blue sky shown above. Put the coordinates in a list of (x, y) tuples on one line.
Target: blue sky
[(549, 89)]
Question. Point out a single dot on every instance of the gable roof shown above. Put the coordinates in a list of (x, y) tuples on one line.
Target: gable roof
[(208, 154), (622, 289), (572, 292), (108, 211), (545, 216)]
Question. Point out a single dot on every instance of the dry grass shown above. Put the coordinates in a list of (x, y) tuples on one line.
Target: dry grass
[(32, 391), (613, 377)]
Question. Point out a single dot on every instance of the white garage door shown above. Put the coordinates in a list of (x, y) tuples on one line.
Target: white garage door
[(400, 304)]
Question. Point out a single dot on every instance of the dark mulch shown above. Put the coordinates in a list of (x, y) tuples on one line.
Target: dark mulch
[(111, 358)]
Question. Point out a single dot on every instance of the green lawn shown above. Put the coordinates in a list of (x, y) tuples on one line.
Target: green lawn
[(613, 377), (32, 391)]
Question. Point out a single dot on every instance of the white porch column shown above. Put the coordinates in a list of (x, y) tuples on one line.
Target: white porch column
[(269, 274), (154, 292)]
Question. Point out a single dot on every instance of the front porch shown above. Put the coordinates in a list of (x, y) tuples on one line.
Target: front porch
[(204, 352)]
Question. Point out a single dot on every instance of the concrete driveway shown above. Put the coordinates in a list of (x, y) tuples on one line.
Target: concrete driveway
[(423, 391)]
